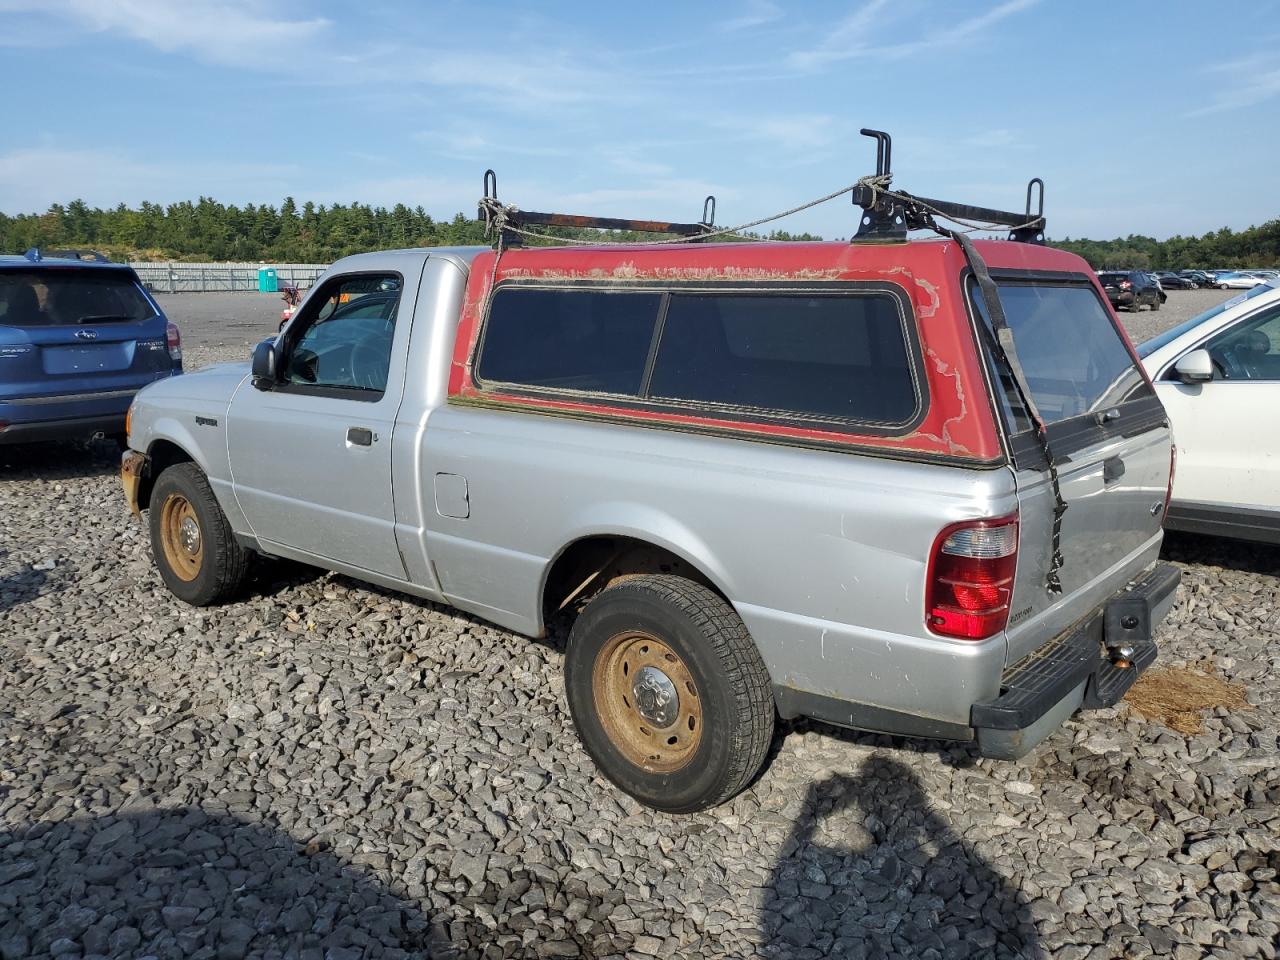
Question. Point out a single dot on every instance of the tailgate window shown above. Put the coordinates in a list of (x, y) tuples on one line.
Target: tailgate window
[(1075, 360), (70, 297)]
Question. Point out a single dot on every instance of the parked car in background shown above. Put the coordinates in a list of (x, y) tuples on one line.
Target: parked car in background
[(1169, 280), (1132, 289), (1237, 280), (78, 338), (1218, 375), (1199, 277)]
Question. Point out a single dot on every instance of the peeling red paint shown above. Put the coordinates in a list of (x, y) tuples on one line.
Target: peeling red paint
[(927, 272)]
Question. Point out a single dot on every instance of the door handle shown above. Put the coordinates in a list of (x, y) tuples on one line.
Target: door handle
[(1112, 469), (360, 436)]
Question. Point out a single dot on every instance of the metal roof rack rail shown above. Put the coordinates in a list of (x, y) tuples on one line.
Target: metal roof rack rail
[(513, 220), (888, 215), (35, 255)]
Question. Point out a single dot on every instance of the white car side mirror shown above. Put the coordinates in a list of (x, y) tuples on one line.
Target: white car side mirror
[(1195, 367)]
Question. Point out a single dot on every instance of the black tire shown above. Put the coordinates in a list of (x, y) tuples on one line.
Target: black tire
[(1155, 303), (213, 570), (731, 691), (1222, 286)]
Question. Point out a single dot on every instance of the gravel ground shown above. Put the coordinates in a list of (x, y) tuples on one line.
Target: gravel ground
[(1181, 305), (327, 770)]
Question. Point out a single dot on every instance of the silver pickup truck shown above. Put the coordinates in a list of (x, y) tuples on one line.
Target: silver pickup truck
[(912, 487)]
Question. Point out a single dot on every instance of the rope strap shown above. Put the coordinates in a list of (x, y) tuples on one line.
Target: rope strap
[(1006, 351), (498, 219)]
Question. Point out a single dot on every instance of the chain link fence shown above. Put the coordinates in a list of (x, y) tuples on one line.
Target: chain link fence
[(175, 277)]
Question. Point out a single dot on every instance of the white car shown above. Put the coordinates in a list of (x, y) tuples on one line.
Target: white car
[(1240, 280), (1218, 376)]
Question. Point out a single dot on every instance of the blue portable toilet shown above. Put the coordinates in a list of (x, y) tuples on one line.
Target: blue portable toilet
[(267, 281)]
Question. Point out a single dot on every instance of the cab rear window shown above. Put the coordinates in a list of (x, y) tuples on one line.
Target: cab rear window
[(70, 297), (1074, 359), (829, 357)]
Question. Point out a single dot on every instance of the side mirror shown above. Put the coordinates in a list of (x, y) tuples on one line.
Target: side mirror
[(1195, 367), (264, 364)]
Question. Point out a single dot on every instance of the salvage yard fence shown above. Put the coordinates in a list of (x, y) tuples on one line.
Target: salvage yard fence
[(176, 277)]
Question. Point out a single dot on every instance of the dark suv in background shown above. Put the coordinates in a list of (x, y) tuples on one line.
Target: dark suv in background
[(1132, 289), (78, 338), (1172, 281)]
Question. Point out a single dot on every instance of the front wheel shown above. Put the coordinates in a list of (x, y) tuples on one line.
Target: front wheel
[(1222, 286), (668, 693), (195, 551)]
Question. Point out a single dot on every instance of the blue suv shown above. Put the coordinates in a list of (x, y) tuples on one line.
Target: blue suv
[(79, 336)]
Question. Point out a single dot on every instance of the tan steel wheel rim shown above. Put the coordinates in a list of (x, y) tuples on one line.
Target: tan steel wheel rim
[(647, 701), (181, 537)]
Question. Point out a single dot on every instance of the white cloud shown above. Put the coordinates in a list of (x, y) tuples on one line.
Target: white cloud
[(849, 39), (861, 34), (791, 132), (1252, 80), (246, 33), (756, 13), (32, 178)]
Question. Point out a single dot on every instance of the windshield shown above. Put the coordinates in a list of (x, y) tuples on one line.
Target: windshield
[(1075, 360), (1148, 347), (70, 297)]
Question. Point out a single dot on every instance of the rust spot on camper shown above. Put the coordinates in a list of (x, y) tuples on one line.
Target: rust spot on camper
[(926, 310), (627, 271), (949, 372)]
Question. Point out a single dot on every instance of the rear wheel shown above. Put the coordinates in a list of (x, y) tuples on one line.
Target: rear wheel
[(1155, 302), (668, 693), (195, 551), (1222, 286)]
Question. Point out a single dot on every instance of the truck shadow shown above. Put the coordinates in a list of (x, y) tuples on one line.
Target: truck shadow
[(59, 460), (870, 870), (1241, 555)]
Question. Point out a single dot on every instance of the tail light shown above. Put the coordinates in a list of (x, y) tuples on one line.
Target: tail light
[(1125, 284), (173, 340), (970, 580)]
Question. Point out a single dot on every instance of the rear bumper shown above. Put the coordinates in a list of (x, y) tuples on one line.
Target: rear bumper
[(70, 428), (1074, 670), (62, 416)]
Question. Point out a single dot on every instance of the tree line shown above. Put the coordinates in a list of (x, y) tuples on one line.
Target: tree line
[(206, 230)]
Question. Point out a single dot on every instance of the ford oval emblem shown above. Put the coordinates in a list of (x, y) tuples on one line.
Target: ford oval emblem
[(86, 334)]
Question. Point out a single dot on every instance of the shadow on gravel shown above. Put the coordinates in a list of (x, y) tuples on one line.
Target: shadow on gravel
[(58, 460), (957, 754), (182, 883), (24, 585), (1241, 555), (871, 871)]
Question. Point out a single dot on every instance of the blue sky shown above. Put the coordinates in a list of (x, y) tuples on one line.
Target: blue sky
[(1142, 117)]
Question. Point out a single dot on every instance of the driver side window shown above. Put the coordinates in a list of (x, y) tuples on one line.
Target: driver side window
[(1249, 350), (342, 345)]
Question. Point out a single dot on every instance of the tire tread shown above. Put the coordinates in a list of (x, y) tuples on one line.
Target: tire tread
[(230, 561), (727, 635)]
